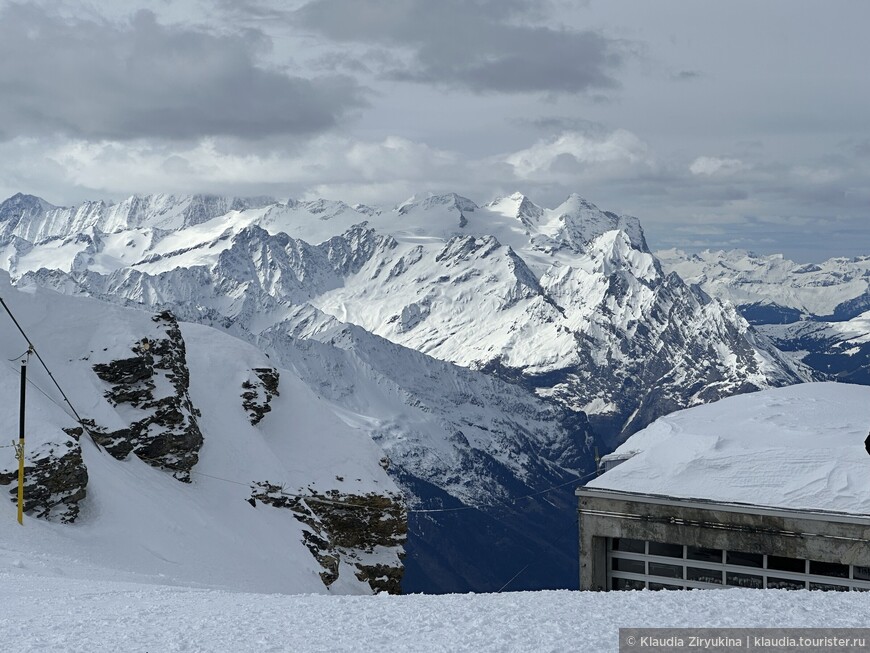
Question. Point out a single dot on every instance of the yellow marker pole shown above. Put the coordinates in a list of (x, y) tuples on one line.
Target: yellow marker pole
[(21, 444)]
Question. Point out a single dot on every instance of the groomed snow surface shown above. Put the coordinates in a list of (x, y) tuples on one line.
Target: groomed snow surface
[(57, 613)]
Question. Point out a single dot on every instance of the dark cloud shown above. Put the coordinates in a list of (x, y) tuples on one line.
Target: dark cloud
[(96, 79), (481, 45), (686, 75)]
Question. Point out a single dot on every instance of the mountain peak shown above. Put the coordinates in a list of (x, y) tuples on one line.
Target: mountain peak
[(581, 222), (22, 201), (448, 200), (518, 206), (575, 202)]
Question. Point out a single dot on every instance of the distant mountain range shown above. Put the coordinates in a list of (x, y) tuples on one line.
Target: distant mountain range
[(487, 350), (819, 313)]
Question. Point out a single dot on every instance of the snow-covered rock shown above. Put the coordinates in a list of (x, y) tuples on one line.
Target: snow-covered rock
[(162, 402)]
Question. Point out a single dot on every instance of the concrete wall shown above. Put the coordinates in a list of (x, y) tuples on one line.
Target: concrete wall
[(793, 534)]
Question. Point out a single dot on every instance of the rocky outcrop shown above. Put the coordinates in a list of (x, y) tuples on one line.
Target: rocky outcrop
[(55, 481), (257, 393), (366, 531), (155, 380)]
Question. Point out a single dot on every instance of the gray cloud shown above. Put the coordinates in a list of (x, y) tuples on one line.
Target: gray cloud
[(481, 45), (862, 148), (556, 124), (96, 79)]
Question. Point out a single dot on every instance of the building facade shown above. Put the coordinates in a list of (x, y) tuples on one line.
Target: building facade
[(639, 541)]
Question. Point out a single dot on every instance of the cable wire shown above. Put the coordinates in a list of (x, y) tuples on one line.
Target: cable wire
[(308, 497), (48, 371)]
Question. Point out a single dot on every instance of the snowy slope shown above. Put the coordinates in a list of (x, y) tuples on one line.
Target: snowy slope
[(46, 609), (131, 513), (490, 466), (797, 447), (838, 287)]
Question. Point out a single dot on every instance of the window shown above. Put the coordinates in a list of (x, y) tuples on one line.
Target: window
[(704, 555), (704, 575), (625, 544), (861, 573), (833, 569), (635, 564), (631, 566), (745, 559), (824, 587), (734, 579), (669, 571), (663, 549), (627, 584), (787, 564), (785, 584)]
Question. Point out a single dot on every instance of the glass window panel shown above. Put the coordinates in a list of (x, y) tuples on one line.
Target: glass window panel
[(733, 579), (660, 569), (626, 584), (664, 549), (745, 559), (861, 573), (824, 587), (625, 544), (704, 575), (623, 564), (786, 564), (829, 569), (664, 586), (784, 584), (705, 555)]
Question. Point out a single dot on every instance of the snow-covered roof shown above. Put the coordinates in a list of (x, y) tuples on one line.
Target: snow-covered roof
[(799, 447)]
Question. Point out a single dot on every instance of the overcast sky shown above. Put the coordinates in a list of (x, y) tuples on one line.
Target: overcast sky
[(728, 124)]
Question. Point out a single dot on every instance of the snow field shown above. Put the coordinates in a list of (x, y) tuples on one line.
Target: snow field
[(69, 614), (798, 447)]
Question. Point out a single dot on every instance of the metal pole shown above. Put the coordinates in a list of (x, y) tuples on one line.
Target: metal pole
[(21, 443)]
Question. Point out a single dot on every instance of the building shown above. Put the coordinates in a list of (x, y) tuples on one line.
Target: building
[(767, 490)]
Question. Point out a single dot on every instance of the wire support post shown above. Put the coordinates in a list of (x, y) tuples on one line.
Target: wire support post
[(19, 449)]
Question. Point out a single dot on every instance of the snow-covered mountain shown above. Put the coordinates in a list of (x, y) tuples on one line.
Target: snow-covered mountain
[(568, 301), (33, 219), (839, 350), (771, 289), (213, 470), (817, 313), (486, 349)]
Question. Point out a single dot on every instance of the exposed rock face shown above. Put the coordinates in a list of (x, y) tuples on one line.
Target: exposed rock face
[(54, 482), (154, 380), (258, 393), (366, 531)]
